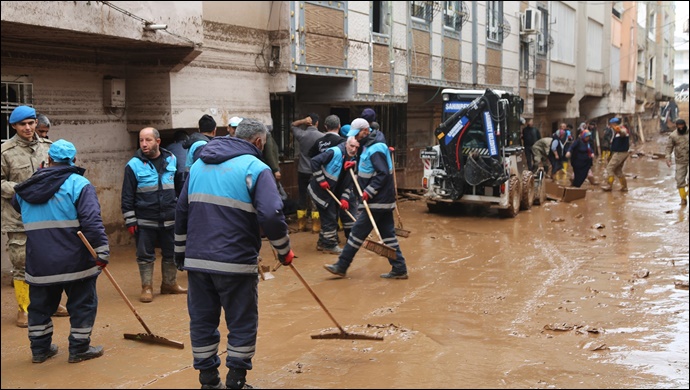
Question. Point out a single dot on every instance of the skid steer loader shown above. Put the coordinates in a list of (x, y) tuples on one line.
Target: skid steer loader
[(478, 158)]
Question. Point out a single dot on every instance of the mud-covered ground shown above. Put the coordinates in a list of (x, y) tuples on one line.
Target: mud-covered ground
[(566, 295)]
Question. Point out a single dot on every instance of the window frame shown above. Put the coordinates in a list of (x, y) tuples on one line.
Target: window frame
[(23, 90), (494, 21)]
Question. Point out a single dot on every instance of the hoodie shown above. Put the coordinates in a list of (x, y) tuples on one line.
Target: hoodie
[(229, 198), (55, 203)]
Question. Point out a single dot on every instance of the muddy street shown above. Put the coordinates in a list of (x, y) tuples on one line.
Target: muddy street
[(566, 295)]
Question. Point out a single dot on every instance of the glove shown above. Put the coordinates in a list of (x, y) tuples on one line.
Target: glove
[(101, 264), (365, 196), (350, 164), (324, 185), (132, 229), (179, 261), (287, 259), (344, 204), (391, 149)]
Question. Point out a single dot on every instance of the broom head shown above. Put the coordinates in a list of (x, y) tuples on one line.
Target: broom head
[(402, 232), (346, 336), (380, 249), (153, 339)]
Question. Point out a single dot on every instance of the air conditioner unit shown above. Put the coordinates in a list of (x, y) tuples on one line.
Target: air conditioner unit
[(530, 21)]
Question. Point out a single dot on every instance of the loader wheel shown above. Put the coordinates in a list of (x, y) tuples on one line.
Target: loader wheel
[(540, 187), (514, 195), (527, 190)]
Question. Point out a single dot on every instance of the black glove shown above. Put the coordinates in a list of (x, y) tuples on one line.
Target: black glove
[(286, 259), (179, 261)]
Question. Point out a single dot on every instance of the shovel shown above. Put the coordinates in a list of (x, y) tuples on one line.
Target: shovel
[(147, 337), (399, 231), (342, 334), (377, 247)]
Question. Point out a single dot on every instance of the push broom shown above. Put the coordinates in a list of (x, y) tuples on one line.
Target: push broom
[(377, 247), (340, 335), (147, 337), (399, 231)]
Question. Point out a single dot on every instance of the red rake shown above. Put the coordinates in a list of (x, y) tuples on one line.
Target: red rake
[(147, 337)]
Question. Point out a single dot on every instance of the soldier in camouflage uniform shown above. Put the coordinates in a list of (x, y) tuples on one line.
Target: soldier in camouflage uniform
[(678, 145), (22, 155)]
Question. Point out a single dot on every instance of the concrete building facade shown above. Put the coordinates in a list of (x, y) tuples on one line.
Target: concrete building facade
[(103, 70)]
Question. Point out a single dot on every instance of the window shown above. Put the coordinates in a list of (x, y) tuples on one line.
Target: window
[(452, 15), (381, 18), (617, 9), (494, 21), (422, 10), (642, 14), (563, 31), (651, 31), (650, 69), (14, 94), (543, 36), (594, 53), (524, 60)]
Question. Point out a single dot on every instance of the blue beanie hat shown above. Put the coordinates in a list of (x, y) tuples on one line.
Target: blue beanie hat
[(615, 120), (62, 151), (22, 112), (344, 130)]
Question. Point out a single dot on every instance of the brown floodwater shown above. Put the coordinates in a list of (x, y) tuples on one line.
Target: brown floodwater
[(565, 295)]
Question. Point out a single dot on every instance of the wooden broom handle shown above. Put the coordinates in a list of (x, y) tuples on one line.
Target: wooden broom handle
[(336, 199), (313, 294), (112, 280), (395, 184), (366, 206)]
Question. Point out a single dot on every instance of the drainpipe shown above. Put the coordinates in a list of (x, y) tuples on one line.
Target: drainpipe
[(474, 43)]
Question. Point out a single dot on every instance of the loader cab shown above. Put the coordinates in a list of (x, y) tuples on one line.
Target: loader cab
[(488, 133), (480, 136)]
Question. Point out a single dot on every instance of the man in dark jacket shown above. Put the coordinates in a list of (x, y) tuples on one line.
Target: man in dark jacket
[(228, 200), (530, 135), (330, 174), (196, 141), (56, 202), (148, 206), (375, 176)]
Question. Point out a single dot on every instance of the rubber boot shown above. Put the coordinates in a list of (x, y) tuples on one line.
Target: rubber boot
[(683, 196), (21, 291), (592, 180), (169, 284), (146, 273), (624, 184), (302, 220), (565, 168), (607, 184), (315, 222)]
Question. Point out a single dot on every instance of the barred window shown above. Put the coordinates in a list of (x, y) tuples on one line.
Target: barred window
[(14, 93)]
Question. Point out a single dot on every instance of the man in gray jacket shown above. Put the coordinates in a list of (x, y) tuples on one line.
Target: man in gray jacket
[(306, 138)]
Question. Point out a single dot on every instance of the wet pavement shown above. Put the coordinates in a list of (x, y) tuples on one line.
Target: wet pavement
[(565, 295)]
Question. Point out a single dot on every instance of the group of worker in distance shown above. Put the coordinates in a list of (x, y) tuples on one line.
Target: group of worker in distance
[(555, 153), (208, 216)]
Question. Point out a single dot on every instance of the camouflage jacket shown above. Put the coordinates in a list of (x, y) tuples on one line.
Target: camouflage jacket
[(20, 159), (677, 144)]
